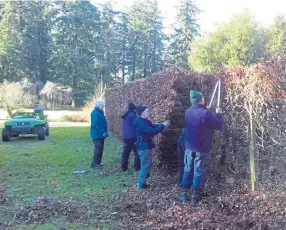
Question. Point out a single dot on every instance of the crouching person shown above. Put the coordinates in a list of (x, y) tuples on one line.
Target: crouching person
[(98, 132), (129, 138), (145, 131), (200, 126)]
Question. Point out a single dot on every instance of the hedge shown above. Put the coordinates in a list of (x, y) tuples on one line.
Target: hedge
[(167, 95)]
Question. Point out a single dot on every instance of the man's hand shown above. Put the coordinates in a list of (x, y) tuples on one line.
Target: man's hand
[(218, 110), (166, 123), (105, 135)]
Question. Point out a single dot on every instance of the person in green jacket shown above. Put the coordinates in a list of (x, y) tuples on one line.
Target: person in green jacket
[(98, 132)]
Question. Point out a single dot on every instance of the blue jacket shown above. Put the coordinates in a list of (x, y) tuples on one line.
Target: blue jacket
[(145, 131), (200, 126), (181, 143), (98, 125), (128, 129)]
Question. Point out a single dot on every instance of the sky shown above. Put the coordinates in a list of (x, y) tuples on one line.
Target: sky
[(217, 11)]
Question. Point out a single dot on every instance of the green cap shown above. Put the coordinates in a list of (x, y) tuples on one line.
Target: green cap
[(195, 97)]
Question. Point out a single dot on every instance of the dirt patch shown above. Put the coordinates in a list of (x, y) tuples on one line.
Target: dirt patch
[(229, 205)]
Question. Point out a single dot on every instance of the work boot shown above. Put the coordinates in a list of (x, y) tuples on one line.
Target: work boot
[(124, 168), (196, 197), (194, 202), (148, 175), (143, 186), (184, 195)]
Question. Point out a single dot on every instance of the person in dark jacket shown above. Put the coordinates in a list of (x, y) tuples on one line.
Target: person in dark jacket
[(98, 132), (200, 126), (129, 138), (181, 154), (145, 131)]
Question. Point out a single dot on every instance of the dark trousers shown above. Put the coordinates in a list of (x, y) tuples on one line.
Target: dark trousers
[(98, 151), (181, 155), (128, 146)]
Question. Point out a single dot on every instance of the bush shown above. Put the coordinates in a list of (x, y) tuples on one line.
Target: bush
[(14, 95), (53, 96), (166, 94), (74, 118)]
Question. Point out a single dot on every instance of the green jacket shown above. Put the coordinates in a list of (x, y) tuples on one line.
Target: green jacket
[(98, 126)]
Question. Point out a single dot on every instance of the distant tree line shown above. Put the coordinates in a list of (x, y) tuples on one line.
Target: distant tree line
[(76, 44)]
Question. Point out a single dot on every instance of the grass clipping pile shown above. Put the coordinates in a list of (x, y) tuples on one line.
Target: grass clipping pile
[(167, 96)]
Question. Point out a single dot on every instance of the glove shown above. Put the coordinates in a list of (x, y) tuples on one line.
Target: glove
[(166, 123), (105, 135), (218, 110)]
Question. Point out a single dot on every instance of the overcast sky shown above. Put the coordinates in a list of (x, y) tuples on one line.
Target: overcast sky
[(216, 11)]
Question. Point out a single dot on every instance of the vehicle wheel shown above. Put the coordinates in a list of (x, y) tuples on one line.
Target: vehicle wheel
[(47, 131), (6, 135), (41, 133)]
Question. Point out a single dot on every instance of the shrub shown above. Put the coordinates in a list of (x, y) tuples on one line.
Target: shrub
[(14, 95), (53, 96), (74, 118)]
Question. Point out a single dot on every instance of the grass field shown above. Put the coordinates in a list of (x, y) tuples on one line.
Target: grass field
[(30, 169)]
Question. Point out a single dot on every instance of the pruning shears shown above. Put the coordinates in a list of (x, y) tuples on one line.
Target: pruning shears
[(217, 88)]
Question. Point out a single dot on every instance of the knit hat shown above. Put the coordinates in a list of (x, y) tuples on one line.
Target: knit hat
[(195, 97), (99, 104), (140, 110), (131, 106)]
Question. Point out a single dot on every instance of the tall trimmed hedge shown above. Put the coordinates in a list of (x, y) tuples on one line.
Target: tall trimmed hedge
[(167, 95)]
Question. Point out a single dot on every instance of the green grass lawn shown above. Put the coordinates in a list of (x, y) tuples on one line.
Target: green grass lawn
[(30, 168)]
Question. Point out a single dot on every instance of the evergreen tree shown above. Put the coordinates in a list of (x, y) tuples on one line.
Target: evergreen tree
[(186, 29), (25, 42), (76, 36)]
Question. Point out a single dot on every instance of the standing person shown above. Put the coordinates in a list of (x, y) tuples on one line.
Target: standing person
[(180, 156), (129, 138), (200, 126), (98, 132), (145, 131)]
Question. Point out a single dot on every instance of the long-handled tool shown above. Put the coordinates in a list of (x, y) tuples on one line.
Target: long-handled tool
[(217, 88)]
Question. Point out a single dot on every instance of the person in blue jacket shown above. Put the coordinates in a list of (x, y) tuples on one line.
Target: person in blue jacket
[(129, 138), (98, 132), (145, 131), (200, 126)]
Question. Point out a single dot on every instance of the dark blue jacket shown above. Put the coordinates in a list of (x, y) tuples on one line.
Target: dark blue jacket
[(128, 129), (200, 126), (145, 131), (181, 143), (98, 125)]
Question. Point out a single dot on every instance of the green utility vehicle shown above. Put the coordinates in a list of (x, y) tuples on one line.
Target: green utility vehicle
[(25, 122)]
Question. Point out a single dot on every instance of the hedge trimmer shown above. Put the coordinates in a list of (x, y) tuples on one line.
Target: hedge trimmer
[(216, 89)]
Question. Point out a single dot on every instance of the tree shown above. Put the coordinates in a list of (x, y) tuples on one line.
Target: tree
[(277, 36), (186, 29), (25, 44), (107, 45), (76, 38), (146, 39), (239, 42)]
